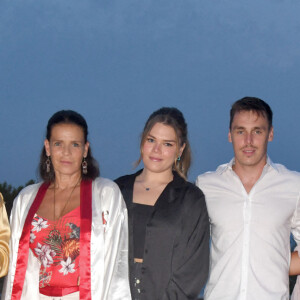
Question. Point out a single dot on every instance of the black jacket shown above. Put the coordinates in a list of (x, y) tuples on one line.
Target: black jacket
[(176, 254)]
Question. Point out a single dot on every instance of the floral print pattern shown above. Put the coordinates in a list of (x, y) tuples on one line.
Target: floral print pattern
[(57, 247), (67, 266), (39, 224), (32, 237), (45, 254)]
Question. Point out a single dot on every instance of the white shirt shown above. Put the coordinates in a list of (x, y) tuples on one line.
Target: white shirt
[(250, 249)]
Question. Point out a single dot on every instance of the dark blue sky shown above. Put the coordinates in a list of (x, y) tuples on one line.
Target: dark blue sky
[(117, 61)]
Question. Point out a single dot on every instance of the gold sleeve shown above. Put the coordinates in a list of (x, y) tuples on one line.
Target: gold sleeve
[(4, 239)]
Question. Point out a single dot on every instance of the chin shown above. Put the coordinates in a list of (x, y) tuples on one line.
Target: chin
[(68, 172)]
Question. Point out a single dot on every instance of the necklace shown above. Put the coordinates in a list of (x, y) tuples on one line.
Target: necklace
[(61, 214), (147, 188)]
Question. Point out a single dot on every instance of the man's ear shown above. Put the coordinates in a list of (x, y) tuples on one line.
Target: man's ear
[(271, 135), (229, 137)]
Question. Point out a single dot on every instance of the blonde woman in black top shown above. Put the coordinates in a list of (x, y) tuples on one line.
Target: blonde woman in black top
[(168, 221)]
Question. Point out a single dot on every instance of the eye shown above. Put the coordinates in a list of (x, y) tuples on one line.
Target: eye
[(150, 140), (258, 132), (168, 144), (57, 144), (239, 132), (76, 144)]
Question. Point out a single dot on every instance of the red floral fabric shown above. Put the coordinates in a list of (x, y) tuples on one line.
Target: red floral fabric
[(56, 245)]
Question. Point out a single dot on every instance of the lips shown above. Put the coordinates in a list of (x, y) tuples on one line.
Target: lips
[(65, 162), (249, 152), (155, 159)]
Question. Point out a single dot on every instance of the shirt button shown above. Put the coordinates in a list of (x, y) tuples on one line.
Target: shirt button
[(146, 251)]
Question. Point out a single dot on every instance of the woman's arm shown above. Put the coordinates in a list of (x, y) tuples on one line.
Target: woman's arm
[(116, 256), (295, 264), (4, 239), (191, 269)]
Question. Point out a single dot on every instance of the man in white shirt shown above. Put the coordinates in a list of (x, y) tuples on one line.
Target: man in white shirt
[(253, 205)]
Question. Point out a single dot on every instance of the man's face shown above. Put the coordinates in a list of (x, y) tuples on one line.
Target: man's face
[(249, 135)]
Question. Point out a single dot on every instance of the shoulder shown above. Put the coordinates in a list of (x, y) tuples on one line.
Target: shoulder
[(30, 189), (28, 192), (25, 198), (128, 179), (181, 185), (186, 190), (192, 189), (193, 204), (207, 175), (124, 180), (284, 172), (106, 194), (219, 180), (105, 184), (211, 176)]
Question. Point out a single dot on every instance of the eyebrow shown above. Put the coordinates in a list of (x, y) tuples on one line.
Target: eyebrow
[(255, 128), (58, 140), (170, 141)]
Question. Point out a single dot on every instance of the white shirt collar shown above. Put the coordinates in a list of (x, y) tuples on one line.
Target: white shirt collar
[(222, 168)]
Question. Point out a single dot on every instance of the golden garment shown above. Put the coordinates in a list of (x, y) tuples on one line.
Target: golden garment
[(4, 238)]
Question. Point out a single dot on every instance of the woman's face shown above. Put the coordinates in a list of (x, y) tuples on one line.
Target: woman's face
[(66, 148), (160, 149)]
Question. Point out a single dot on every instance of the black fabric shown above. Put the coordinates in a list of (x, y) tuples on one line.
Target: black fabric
[(176, 252), (141, 215), (136, 273)]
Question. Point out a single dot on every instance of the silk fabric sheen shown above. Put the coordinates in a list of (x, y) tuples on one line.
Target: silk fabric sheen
[(107, 247), (4, 238)]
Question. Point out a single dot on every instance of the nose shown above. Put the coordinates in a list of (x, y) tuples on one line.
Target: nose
[(66, 150), (248, 138), (157, 147)]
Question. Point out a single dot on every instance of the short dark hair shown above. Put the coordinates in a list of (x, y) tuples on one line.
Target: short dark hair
[(68, 117), (173, 117), (252, 104)]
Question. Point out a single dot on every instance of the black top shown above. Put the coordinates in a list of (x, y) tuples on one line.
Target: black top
[(141, 215), (176, 252)]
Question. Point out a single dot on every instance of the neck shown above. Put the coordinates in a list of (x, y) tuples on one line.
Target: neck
[(249, 175), (65, 182), (162, 177)]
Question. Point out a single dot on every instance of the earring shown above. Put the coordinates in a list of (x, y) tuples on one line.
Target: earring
[(84, 166), (48, 164), (178, 158)]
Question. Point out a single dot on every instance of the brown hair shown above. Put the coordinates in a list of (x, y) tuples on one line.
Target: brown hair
[(173, 117), (251, 104)]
